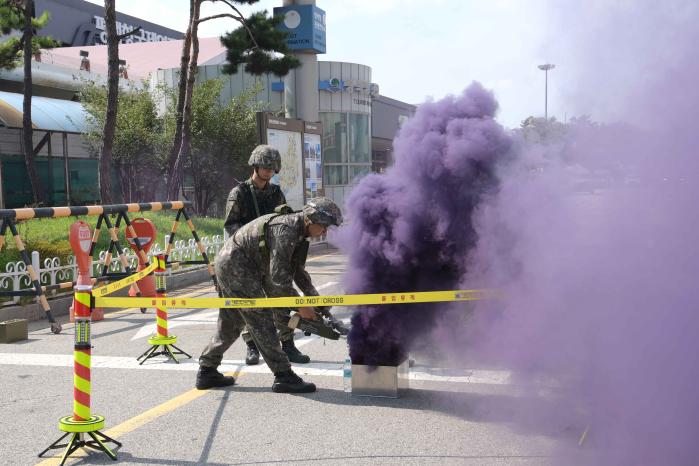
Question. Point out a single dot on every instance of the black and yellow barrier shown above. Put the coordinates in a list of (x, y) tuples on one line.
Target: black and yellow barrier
[(9, 217)]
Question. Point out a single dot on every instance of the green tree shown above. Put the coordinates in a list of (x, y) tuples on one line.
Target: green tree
[(541, 131), (259, 46), (139, 141), (15, 16), (181, 92), (11, 23), (107, 142), (256, 43), (222, 139)]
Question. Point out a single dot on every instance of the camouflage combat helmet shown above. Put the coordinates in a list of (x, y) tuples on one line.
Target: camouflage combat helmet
[(323, 211), (265, 156)]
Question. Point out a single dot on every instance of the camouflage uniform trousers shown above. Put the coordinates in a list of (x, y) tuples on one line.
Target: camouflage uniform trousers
[(231, 323), (281, 318)]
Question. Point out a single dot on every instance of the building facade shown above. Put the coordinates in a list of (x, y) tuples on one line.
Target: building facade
[(344, 97), (358, 124), (344, 93), (76, 22), (388, 116)]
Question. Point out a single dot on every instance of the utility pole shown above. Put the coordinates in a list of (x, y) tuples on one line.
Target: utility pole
[(301, 84), (546, 69)]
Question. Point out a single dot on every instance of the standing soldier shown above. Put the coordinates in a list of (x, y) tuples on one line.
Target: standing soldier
[(264, 259), (249, 200)]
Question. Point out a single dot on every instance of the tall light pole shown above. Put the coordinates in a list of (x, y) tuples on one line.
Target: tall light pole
[(546, 69)]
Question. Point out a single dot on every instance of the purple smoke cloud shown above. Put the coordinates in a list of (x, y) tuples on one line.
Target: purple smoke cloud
[(411, 227), (600, 290)]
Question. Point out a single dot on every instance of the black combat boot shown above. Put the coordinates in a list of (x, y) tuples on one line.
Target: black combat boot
[(209, 377), (293, 353), (253, 356), (288, 382)]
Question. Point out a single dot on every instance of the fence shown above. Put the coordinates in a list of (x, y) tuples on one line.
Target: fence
[(16, 276)]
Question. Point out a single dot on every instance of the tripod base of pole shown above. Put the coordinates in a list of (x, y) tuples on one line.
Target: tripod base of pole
[(77, 431), (168, 349)]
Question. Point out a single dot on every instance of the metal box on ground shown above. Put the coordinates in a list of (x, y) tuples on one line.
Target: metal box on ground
[(13, 330), (380, 381)]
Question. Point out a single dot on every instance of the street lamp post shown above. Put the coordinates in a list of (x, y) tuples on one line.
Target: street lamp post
[(546, 69)]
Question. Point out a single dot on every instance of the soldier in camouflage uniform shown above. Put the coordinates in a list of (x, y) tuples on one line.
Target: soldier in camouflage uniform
[(264, 259), (255, 196), (249, 200)]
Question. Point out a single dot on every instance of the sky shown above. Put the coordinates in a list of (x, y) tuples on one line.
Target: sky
[(425, 50)]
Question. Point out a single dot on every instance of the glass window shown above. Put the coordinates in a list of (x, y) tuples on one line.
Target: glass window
[(335, 174), (334, 136), (358, 171), (360, 143), (346, 147)]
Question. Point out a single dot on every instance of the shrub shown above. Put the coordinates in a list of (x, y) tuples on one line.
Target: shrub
[(49, 249)]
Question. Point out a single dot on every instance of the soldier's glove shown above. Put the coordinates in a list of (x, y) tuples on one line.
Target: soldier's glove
[(336, 324), (316, 327)]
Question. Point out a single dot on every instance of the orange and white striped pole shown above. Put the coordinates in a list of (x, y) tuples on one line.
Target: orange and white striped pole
[(82, 423), (82, 354), (160, 293), (161, 339)]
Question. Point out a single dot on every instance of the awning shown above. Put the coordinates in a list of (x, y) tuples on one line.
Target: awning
[(47, 114)]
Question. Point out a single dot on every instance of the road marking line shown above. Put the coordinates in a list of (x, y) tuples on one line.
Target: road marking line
[(142, 419), (321, 256), (228, 367), (326, 285), (206, 317), (468, 376)]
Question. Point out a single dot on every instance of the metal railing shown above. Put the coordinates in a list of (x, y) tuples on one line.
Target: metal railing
[(51, 271)]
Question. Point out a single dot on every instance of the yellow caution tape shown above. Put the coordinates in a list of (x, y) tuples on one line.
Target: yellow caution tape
[(299, 301), (124, 282)]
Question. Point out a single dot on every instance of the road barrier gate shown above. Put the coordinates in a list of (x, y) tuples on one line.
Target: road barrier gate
[(105, 213)]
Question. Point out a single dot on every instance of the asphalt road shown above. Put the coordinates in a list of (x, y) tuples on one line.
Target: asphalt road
[(449, 416)]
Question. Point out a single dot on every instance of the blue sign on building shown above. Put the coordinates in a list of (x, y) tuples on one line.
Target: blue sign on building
[(305, 25)]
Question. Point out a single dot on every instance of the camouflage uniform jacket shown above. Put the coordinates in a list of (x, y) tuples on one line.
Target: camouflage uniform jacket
[(278, 266), (240, 208)]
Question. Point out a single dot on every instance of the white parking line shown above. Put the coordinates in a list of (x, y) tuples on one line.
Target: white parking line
[(472, 376), (325, 285), (198, 318)]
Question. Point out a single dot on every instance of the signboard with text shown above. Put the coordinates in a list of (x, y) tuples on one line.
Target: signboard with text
[(305, 25), (79, 22), (312, 160), (299, 143), (289, 178)]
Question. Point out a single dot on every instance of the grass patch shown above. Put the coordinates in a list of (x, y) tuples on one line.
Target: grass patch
[(49, 236)]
